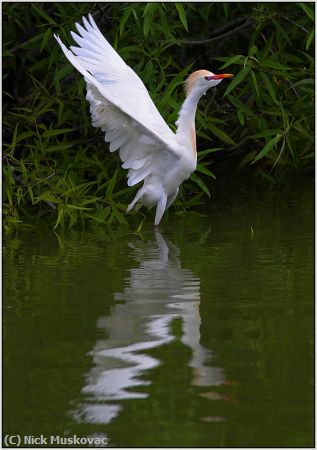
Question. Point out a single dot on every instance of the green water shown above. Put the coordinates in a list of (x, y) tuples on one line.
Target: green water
[(200, 334)]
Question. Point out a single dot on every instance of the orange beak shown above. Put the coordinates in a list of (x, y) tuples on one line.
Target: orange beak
[(220, 76)]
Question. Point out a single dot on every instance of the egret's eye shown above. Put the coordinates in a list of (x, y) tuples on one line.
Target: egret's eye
[(209, 77)]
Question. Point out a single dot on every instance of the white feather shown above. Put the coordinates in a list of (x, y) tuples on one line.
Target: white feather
[(121, 106), (134, 164)]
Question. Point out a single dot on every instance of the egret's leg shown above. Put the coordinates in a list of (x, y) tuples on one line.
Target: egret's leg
[(136, 198), (171, 198), (160, 209)]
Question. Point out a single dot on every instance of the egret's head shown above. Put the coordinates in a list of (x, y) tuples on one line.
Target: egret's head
[(203, 80)]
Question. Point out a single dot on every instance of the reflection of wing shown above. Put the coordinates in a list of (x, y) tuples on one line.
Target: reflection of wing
[(120, 104)]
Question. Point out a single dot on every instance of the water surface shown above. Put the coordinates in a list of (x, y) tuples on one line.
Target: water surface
[(197, 334)]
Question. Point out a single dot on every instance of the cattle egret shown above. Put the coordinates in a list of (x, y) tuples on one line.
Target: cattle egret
[(121, 106)]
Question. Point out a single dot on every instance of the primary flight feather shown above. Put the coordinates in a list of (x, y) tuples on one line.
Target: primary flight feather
[(121, 106)]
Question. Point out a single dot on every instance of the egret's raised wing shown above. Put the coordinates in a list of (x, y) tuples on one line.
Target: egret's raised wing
[(120, 104)]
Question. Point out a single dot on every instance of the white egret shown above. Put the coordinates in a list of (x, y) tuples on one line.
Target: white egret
[(121, 106)]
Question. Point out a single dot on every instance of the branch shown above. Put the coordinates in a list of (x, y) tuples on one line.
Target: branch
[(296, 24), (221, 33)]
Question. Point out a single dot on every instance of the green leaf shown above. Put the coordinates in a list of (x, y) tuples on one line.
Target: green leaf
[(124, 18), (194, 201), (111, 185), (182, 15), (240, 116), (285, 118), (34, 39), (60, 215), (149, 12), (48, 196), (120, 217), (266, 133), (90, 200), (202, 169), (164, 25), (238, 79), (208, 150), (253, 50), (304, 81), (232, 60), (14, 138), (79, 188), (30, 190), (94, 217), (139, 227), (280, 154), (268, 62), (43, 14), (309, 11), (196, 179), (220, 134), (9, 196), (269, 86), (78, 207), (25, 135), (303, 130), (12, 219), (24, 171), (267, 148), (46, 38), (242, 106), (50, 133), (59, 148), (255, 84), (310, 39), (60, 74)]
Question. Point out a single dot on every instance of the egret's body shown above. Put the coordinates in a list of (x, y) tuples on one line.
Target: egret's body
[(121, 106)]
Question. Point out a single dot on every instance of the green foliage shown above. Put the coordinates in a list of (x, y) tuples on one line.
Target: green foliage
[(275, 103), (56, 165)]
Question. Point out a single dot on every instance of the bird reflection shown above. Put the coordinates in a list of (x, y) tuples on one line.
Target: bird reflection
[(156, 293)]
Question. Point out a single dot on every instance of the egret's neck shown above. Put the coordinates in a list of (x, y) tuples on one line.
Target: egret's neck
[(186, 133)]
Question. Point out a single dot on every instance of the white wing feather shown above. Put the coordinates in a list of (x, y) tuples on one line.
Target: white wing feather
[(120, 105)]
